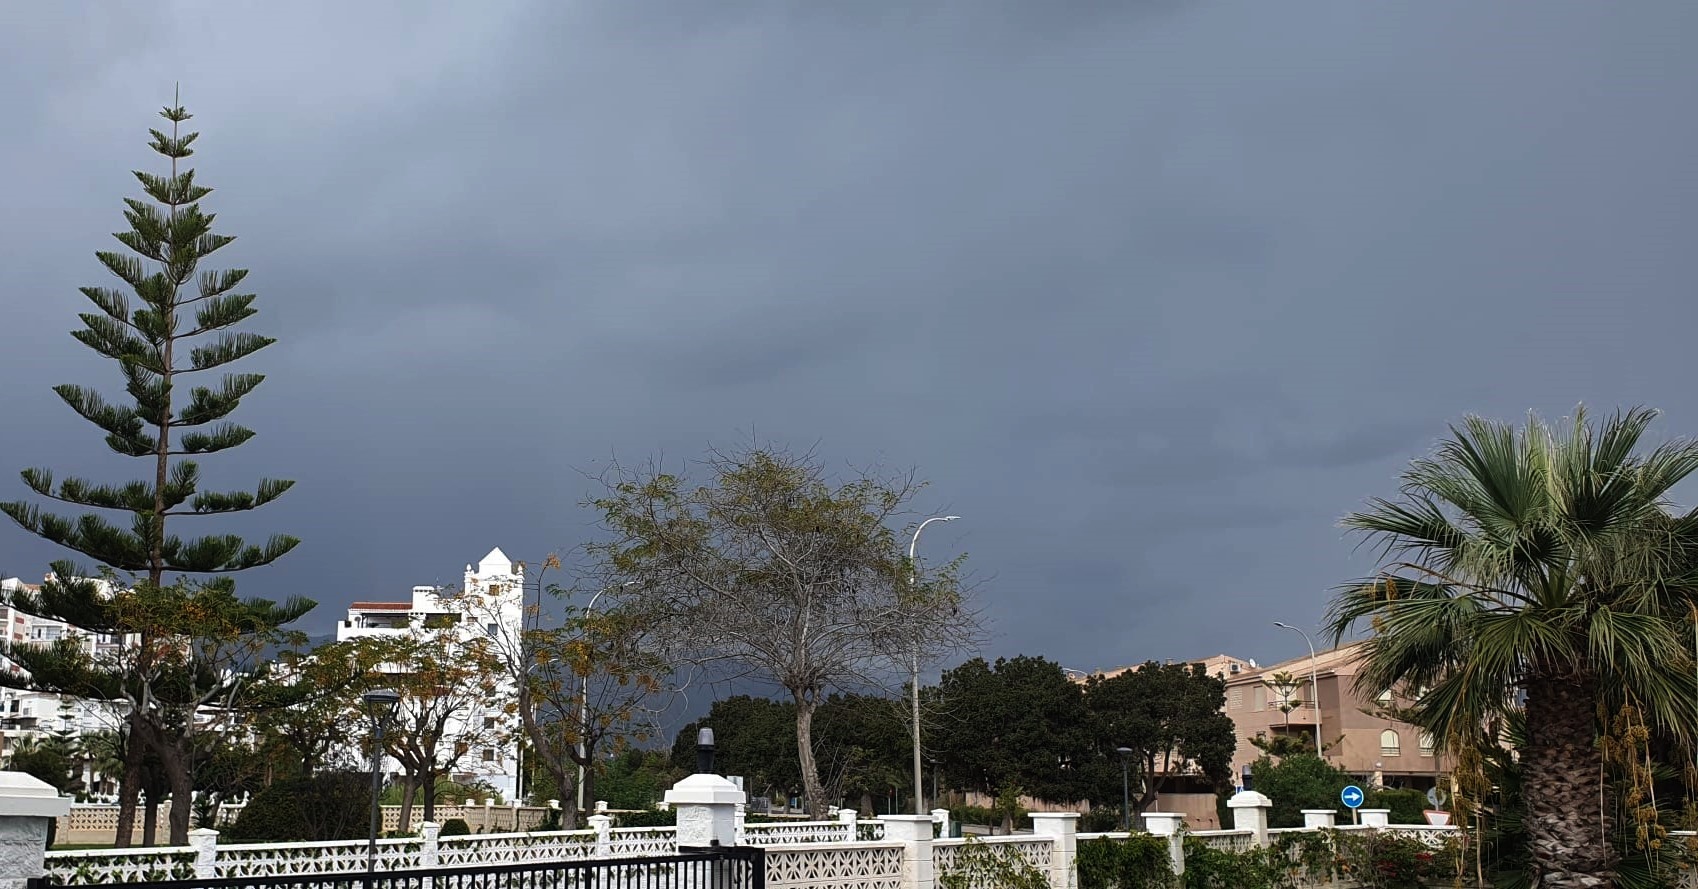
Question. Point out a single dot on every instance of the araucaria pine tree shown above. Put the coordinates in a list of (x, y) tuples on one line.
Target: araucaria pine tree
[(171, 330)]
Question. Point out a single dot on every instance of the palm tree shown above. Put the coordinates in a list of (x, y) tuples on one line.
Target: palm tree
[(1537, 568)]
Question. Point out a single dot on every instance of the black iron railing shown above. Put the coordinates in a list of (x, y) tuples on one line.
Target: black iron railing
[(718, 867)]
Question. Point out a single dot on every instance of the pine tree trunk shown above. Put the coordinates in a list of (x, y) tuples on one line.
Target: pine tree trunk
[(182, 792), (812, 789), (1567, 823)]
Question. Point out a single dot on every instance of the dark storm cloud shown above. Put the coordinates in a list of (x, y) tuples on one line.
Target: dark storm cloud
[(1152, 292)]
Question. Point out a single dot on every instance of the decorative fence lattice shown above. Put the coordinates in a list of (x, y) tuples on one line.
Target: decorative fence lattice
[(1035, 852), (1227, 840), (284, 859), (90, 866), (797, 832), (516, 848), (837, 866), (627, 842)]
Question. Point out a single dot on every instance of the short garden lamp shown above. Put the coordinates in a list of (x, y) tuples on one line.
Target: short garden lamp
[(704, 751), (1125, 788), (380, 707)]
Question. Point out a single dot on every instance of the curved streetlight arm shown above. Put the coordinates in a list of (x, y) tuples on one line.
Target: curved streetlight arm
[(914, 672), (1314, 683)]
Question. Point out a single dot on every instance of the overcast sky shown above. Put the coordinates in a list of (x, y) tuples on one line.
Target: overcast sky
[(1152, 292)]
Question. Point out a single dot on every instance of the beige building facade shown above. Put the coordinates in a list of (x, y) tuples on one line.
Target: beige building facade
[(1358, 737)]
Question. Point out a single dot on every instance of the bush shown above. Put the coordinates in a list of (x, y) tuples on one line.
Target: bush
[(455, 827), (647, 818), (1137, 863), (1299, 781), (974, 815), (978, 864), (1102, 820), (327, 806), (1407, 806)]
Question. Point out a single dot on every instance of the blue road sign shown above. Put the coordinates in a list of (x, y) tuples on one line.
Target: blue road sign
[(1352, 796)]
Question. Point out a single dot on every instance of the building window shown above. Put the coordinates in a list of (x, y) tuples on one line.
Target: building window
[(1259, 698), (489, 754), (495, 589), (1235, 699), (1389, 743), (489, 722), (1384, 698), (1426, 744), (494, 629)]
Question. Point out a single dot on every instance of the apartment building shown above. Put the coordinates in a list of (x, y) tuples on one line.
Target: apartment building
[(1360, 738), (490, 603)]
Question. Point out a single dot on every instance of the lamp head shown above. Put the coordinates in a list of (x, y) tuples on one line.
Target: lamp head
[(704, 751), (1284, 626), (1123, 751), (380, 704), (950, 518)]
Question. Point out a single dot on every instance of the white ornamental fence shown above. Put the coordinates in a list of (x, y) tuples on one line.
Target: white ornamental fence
[(98, 822), (898, 852)]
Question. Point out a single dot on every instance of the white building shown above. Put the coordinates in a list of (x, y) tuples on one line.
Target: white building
[(489, 603), (28, 714)]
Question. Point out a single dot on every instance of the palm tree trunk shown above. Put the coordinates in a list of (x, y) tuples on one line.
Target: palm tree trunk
[(1567, 823)]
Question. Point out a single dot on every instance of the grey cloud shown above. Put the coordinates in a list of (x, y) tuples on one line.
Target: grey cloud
[(1152, 292)]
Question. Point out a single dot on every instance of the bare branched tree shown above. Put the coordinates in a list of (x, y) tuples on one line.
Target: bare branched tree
[(790, 575)]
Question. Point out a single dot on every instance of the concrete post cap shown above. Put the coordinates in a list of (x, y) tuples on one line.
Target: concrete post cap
[(24, 795)]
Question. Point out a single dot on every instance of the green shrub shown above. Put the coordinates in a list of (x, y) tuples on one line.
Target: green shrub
[(1102, 820), (647, 818), (455, 827), (1407, 806), (979, 864), (327, 806), (974, 815), (1139, 862)]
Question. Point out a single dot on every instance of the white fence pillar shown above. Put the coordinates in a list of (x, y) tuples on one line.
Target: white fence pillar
[(27, 805), (1250, 812), (429, 832), (914, 832), (740, 816), (847, 818), (204, 840), (707, 810), (941, 816), (1063, 829), (1170, 825), (1319, 819), (1375, 817), (602, 824)]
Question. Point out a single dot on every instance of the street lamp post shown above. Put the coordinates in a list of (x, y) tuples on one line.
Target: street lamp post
[(1314, 683), (1125, 788), (914, 673), (380, 707), (584, 702)]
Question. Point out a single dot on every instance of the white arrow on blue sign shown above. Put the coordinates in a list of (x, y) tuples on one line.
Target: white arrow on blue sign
[(1352, 796)]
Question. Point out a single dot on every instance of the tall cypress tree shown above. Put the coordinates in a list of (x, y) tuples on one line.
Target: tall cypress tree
[(168, 326)]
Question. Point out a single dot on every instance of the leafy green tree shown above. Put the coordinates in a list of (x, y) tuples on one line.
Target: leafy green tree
[(752, 737), (48, 758), (171, 323), (1171, 716), (864, 749), (1018, 722), (1540, 563), (636, 779), (1297, 782), (773, 566)]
